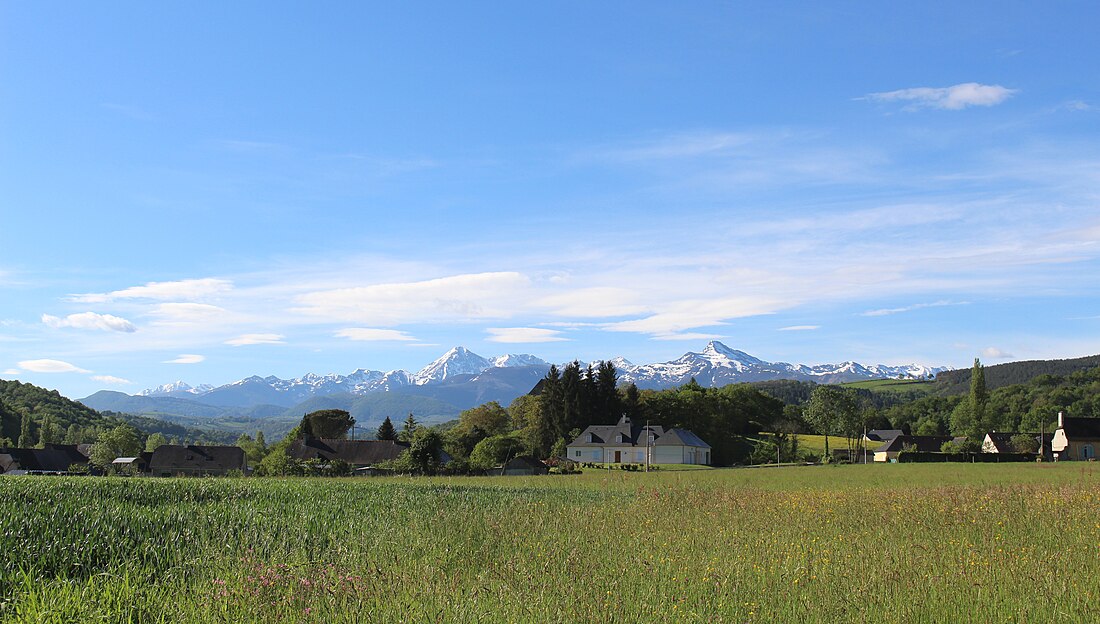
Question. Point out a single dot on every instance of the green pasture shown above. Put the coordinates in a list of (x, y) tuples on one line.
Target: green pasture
[(899, 543)]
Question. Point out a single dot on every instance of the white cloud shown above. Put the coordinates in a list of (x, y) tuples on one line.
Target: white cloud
[(456, 298), (594, 302), (13, 371), (692, 336), (993, 353), (373, 335), (186, 313), (187, 358), (187, 290), (50, 366), (523, 334), (800, 328), (954, 97), (255, 339), (91, 320), (687, 145), (108, 379), (910, 308), (679, 316)]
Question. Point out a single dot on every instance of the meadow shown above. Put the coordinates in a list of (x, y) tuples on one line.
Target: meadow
[(902, 543)]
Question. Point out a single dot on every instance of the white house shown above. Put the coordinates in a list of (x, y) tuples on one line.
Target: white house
[(1076, 438), (627, 443)]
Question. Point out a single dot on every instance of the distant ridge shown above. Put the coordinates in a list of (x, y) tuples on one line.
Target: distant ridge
[(1010, 373), (457, 380)]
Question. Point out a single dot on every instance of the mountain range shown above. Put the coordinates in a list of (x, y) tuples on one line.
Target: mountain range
[(457, 380)]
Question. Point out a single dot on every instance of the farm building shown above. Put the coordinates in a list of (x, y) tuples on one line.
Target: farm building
[(138, 464), (193, 460), (357, 453), (1076, 438), (924, 444), (520, 466), (882, 435), (53, 459), (1001, 442), (626, 442)]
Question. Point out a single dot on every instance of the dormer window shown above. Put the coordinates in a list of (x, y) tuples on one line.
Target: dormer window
[(591, 437), (621, 437)]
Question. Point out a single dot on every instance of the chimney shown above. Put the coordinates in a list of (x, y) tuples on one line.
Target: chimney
[(1060, 421)]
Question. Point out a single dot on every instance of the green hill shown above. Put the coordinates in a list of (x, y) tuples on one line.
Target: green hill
[(17, 399), (1001, 375)]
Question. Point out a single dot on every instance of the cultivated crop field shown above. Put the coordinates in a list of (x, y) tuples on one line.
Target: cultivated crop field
[(899, 543)]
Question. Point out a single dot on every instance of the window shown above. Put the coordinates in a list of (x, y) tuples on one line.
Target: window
[(576, 453)]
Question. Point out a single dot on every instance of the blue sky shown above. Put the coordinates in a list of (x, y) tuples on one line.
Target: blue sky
[(205, 190)]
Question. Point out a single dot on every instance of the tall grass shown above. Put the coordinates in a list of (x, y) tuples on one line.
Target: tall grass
[(909, 543)]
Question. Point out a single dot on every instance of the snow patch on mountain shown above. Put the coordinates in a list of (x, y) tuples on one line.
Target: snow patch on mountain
[(176, 388), (716, 365)]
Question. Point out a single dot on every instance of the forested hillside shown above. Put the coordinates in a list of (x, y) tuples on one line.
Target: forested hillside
[(44, 407), (1026, 407), (65, 420), (1000, 375)]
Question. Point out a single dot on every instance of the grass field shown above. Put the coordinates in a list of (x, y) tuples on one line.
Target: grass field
[(901, 543)]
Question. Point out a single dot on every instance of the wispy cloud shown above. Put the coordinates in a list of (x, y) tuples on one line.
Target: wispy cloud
[(687, 336), (114, 381), (176, 314), (185, 290), (910, 308), (455, 298), (523, 334), (955, 97), (367, 334), (255, 339), (594, 302), (993, 353), (800, 328), (187, 358), (91, 320), (50, 366), (677, 317)]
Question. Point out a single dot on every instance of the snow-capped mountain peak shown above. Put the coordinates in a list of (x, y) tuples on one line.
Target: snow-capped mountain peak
[(457, 361), (512, 360), (176, 388)]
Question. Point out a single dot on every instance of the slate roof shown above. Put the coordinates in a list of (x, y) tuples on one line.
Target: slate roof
[(1002, 440), (627, 433), (194, 458), (53, 458), (924, 444), (526, 462), (1078, 428), (358, 453), (883, 435), (680, 437)]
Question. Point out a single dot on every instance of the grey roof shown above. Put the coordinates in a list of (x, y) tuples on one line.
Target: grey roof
[(627, 433), (53, 458), (680, 437), (1080, 428), (195, 458), (1002, 440), (358, 453), (883, 435), (924, 444)]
